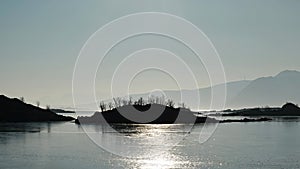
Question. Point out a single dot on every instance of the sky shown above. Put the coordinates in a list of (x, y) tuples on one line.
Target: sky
[(41, 40)]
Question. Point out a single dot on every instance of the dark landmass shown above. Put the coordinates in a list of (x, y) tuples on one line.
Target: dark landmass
[(289, 109), (246, 120), (62, 111), (143, 114), (15, 110)]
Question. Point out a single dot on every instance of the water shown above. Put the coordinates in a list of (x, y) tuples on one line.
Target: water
[(233, 146)]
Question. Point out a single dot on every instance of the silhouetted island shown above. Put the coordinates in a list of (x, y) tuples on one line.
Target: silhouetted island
[(62, 111), (143, 115), (15, 110), (289, 109), (245, 120)]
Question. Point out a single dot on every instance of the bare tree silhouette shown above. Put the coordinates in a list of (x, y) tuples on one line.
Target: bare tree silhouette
[(37, 103), (130, 102), (170, 103), (140, 101), (110, 105), (182, 105), (117, 101), (124, 102), (151, 99), (102, 106), (22, 99)]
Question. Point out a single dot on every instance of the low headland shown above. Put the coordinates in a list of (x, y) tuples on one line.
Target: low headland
[(288, 109), (16, 110)]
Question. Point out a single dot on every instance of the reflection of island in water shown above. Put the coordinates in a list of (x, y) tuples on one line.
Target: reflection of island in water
[(25, 127)]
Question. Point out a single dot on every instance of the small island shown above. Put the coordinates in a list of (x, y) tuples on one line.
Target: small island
[(62, 111), (288, 109), (246, 120), (16, 110), (168, 115), (150, 113)]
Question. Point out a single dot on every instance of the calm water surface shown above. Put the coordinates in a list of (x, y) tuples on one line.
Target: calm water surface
[(233, 145)]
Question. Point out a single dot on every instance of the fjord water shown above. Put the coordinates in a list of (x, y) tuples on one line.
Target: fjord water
[(64, 145)]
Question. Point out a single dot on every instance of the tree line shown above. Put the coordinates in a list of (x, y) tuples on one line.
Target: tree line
[(119, 102), (37, 103)]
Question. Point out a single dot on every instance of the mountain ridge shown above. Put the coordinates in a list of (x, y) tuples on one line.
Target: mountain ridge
[(271, 91), (263, 91)]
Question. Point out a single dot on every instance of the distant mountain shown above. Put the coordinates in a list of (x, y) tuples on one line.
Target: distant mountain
[(15, 110), (265, 91), (271, 91), (189, 97)]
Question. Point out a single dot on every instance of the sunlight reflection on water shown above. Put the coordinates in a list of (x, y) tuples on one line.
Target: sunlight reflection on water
[(148, 146), (163, 161), (233, 145), (137, 141)]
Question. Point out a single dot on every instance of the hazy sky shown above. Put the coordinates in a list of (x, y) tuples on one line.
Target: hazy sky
[(40, 41)]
